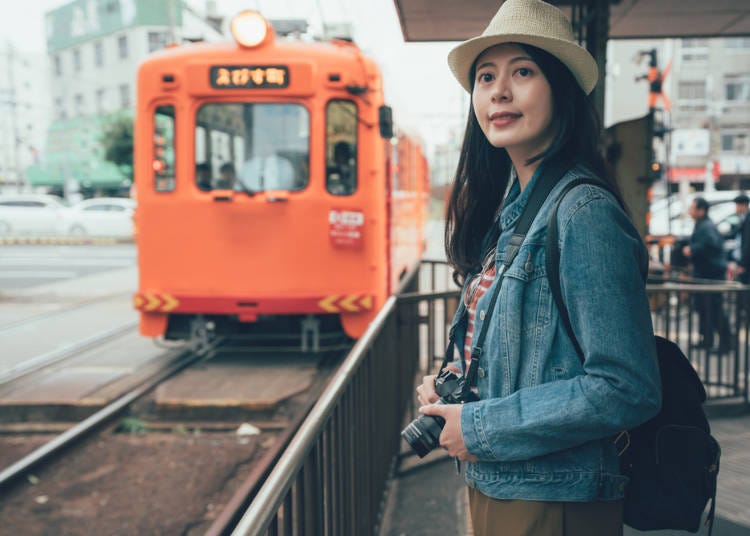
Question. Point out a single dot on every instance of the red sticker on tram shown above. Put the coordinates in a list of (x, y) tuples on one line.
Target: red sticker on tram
[(345, 227)]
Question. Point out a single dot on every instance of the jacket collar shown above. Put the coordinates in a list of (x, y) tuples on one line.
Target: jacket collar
[(517, 199)]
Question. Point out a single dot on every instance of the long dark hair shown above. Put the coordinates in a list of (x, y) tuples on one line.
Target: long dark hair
[(483, 170)]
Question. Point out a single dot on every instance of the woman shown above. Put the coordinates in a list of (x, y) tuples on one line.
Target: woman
[(539, 441)]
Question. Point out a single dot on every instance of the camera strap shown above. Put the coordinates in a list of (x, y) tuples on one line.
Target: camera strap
[(551, 173)]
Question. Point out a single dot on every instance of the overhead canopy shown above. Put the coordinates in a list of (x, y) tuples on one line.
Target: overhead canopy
[(449, 20)]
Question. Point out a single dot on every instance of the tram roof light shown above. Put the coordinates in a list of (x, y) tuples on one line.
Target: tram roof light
[(250, 28)]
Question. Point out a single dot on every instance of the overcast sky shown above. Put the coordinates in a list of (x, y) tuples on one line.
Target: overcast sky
[(426, 98)]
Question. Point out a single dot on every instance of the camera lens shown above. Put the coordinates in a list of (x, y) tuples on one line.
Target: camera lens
[(423, 434)]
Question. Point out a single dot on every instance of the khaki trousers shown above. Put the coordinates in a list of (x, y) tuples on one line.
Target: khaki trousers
[(494, 517)]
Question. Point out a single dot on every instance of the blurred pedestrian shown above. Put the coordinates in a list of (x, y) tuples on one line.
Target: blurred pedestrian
[(227, 177), (266, 170), (203, 176), (706, 254), (741, 252), (538, 442), (340, 178)]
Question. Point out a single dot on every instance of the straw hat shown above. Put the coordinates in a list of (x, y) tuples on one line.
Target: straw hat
[(531, 22)]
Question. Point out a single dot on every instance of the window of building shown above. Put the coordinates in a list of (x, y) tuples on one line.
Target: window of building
[(735, 142), (694, 42), (76, 60), (122, 46), (60, 108), (341, 147), (737, 42), (98, 54), (124, 96), (79, 104), (157, 40), (692, 90), (101, 104), (252, 147), (164, 148), (58, 65), (694, 49), (737, 88)]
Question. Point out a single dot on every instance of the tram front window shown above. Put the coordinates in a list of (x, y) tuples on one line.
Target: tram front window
[(252, 147)]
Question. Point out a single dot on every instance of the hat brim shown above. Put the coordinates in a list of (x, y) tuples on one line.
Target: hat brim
[(575, 58)]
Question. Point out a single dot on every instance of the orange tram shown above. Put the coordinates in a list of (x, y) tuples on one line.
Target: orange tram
[(272, 192)]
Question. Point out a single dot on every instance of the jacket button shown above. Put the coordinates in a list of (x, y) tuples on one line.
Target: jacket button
[(481, 372), (481, 315)]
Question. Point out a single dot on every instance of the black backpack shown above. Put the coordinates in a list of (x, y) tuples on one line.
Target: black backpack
[(672, 460)]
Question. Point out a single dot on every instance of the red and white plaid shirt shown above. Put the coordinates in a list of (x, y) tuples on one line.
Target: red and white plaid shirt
[(484, 284)]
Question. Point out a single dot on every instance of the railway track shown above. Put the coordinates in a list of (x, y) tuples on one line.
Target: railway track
[(88, 425), (40, 477), (38, 362), (62, 309)]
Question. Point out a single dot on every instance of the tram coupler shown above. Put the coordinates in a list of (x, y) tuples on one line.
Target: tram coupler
[(311, 328), (201, 333)]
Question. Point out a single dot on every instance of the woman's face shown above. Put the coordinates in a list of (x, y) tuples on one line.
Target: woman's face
[(512, 101)]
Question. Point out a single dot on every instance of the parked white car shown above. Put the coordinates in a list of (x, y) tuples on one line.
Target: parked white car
[(102, 216), (32, 214)]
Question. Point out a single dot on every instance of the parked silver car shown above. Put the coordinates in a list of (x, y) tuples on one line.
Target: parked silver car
[(102, 216)]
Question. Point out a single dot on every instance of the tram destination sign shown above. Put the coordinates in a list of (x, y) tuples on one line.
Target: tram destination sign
[(249, 76)]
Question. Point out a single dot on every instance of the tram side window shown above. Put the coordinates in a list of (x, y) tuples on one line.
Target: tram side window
[(164, 148), (252, 147), (341, 147)]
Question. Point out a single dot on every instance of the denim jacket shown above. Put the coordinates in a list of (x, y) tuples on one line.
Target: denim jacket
[(544, 425)]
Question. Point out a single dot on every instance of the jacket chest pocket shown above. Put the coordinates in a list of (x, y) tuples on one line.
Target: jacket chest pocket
[(527, 295)]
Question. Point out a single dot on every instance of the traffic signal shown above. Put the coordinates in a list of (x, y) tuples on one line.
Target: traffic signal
[(655, 171), (159, 164)]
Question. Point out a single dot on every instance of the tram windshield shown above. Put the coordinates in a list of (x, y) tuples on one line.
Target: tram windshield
[(252, 147)]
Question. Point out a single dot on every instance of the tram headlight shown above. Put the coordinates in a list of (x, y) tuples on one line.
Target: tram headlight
[(249, 28)]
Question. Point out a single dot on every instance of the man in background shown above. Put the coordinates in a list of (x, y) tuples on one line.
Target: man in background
[(266, 170), (706, 253), (227, 177), (740, 265)]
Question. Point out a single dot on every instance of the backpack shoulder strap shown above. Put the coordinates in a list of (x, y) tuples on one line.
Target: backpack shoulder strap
[(553, 257)]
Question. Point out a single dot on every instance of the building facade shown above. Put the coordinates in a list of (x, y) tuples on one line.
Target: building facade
[(25, 109), (708, 88), (94, 49)]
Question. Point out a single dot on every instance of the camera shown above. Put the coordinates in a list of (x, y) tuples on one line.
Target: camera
[(423, 433)]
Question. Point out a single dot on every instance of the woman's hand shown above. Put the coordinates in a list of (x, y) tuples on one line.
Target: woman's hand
[(426, 392), (451, 438)]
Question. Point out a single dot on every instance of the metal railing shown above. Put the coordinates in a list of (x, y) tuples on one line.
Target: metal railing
[(333, 477), (711, 324)]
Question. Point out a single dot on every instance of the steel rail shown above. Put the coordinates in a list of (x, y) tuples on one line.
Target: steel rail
[(44, 360), (179, 361), (71, 307)]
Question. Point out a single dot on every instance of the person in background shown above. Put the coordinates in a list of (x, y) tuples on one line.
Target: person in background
[(203, 176), (538, 442), (340, 176), (227, 177), (706, 254), (740, 261), (266, 170)]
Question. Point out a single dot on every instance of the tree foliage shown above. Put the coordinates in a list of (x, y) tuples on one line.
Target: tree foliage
[(117, 139)]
